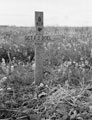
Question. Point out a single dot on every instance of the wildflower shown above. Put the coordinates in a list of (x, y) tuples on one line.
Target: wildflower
[(3, 62), (12, 68), (33, 66), (41, 85), (3, 79)]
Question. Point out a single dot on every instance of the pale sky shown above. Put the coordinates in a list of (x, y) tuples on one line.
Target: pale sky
[(56, 12)]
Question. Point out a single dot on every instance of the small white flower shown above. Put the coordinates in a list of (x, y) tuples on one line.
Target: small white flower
[(33, 66), (4, 79), (1, 89), (12, 68), (41, 85), (8, 88)]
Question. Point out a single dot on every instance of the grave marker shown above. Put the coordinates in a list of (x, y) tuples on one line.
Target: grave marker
[(38, 74), (39, 39)]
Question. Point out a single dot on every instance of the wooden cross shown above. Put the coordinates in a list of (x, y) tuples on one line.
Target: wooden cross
[(38, 75), (39, 39)]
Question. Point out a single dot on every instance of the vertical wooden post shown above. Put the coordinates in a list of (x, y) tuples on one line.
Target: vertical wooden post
[(38, 75)]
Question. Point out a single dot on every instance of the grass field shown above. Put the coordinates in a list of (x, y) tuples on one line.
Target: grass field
[(66, 90)]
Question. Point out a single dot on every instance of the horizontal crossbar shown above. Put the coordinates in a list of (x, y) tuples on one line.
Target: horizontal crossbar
[(44, 38)]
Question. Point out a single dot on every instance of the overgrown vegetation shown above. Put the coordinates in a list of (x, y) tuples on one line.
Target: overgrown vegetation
[(66, 90)]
